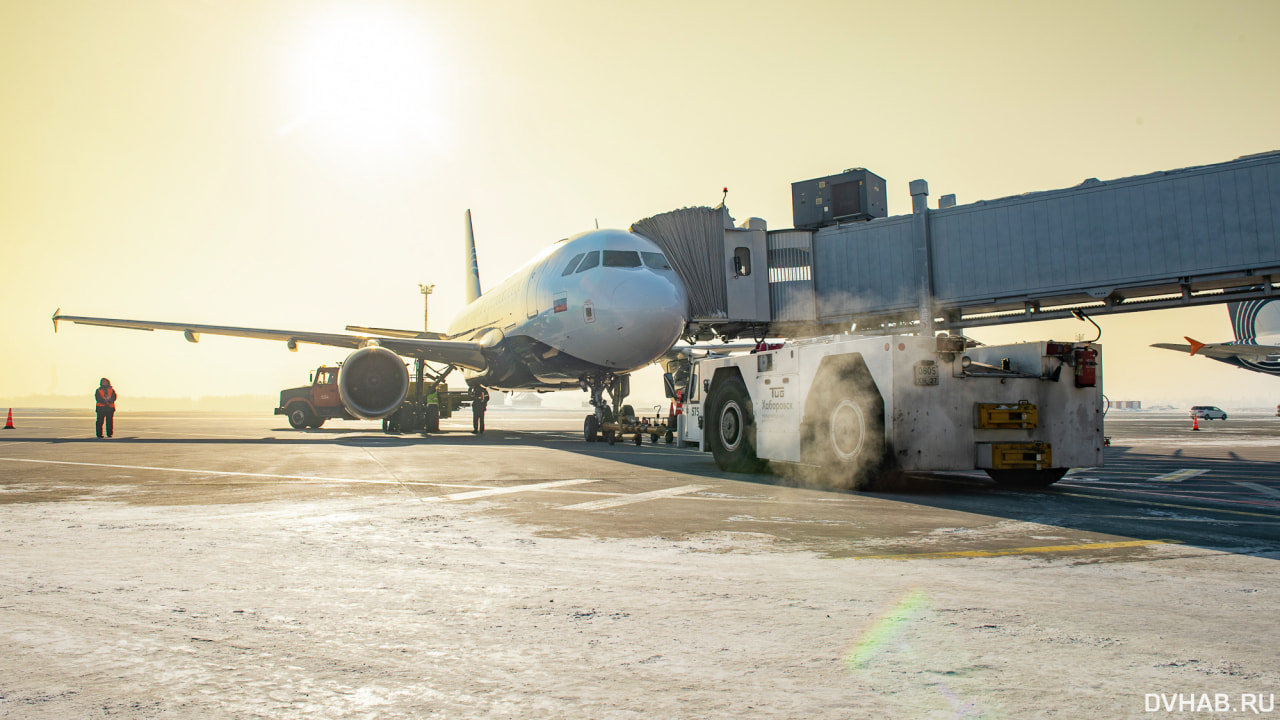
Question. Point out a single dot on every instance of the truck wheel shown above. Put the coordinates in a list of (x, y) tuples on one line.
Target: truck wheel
[(316, 424), (639, 438), (1027, 478), (732, 430), (591, 428), (843, 428), (300, 416)]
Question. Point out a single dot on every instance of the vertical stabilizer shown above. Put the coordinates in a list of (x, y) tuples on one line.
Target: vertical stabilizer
[(473, 265)]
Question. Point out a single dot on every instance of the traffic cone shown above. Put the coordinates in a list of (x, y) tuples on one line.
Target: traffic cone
[(1195, 422), (8, 424)]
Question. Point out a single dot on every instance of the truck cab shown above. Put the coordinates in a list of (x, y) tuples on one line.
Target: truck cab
[(310, 405)]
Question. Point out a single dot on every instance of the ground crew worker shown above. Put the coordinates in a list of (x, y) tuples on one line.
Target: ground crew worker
[(105, 398), (433, 397), (479, 399)]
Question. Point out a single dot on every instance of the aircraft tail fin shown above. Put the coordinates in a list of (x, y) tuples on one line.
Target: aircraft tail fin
[(473, 265)]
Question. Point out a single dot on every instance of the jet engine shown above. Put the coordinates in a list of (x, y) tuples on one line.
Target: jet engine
[(373, 382)]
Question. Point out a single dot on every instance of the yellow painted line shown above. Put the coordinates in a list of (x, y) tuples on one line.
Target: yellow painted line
[(1018, 551), (1176, 476), (1106, 498)]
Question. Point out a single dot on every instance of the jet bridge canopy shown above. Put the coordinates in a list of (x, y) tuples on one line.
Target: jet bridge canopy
[(1193, 236)]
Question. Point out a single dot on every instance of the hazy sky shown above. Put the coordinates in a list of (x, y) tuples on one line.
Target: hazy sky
[(305, 164)]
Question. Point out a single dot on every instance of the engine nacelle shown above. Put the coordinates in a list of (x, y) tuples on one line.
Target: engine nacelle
[(373, 382)]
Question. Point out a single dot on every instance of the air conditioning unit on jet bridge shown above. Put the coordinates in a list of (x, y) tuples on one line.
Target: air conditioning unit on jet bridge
[(856, 194)]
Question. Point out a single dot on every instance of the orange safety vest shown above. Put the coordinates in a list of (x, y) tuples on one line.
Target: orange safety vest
[(106, 397)]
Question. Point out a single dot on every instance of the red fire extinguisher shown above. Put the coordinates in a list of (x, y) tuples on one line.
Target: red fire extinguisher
[(1086, 359)]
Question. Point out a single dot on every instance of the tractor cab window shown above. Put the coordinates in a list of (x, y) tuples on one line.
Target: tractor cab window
[(591, 260), (326, 377)]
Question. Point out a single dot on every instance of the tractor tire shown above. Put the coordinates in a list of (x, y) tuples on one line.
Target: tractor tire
[(843, 428), (731, 427)]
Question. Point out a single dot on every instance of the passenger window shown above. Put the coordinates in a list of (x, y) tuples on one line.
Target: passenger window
[(621, 258), (655, 261), (591, 260), (742, 261), (572, 264)]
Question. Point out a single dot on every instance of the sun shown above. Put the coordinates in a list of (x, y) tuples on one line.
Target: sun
[(367, 77)]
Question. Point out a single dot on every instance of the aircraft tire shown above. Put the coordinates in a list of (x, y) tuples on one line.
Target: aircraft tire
[(591, 429), (610, 437), (627, 412), (732, 428), (300, 416), (1027, 478), (432, 421)]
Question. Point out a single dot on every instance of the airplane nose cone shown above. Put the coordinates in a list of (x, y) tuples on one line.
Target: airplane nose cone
[(649, 314)]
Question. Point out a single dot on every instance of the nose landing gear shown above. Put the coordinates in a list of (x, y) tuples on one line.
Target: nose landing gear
[(612, 420)]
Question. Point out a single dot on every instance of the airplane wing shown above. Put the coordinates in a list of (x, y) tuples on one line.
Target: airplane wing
[(1221, 351), (389, 332), (463, 353)]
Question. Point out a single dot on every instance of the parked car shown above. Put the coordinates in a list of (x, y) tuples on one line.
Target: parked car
[(1208, 412)]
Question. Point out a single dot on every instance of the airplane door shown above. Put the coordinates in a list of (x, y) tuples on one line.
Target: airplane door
[(531, 293)]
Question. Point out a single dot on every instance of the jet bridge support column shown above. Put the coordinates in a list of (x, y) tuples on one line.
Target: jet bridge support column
[(921, 252)]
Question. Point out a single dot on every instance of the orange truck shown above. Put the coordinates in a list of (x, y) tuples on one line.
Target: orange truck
[(310, 405)]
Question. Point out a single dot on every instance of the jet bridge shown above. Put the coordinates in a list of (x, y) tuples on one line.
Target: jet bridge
[(1194, 236)]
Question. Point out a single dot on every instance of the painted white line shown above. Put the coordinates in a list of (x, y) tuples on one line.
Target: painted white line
[(227, 473), (1259, 488), (1176, 476), (638, 497), (490, 492)]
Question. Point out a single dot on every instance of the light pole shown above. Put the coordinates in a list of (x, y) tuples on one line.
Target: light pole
[(426, 298)]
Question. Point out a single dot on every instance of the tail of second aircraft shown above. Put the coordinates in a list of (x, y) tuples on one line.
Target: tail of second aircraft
[(1253, 318), (473, 265)]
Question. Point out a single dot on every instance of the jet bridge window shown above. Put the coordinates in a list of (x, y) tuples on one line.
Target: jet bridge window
[(572, 264), (742, 261), (621, 258), (655, 261), (591, 260)]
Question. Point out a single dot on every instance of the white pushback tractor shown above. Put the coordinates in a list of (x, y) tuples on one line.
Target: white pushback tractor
[(845, 410)]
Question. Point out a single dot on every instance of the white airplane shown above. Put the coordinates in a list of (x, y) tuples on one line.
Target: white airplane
[(584, 313), (1252, 321)]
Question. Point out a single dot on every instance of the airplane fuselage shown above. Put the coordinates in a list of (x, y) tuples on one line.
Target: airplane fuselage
[(602, 302)]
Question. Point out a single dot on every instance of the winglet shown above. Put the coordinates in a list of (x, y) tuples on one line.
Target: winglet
[(1196, 345), (56, 314)]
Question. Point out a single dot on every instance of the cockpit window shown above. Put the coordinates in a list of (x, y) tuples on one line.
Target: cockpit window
[(655, 261), (621, 258), (572, 264), (591, 260)]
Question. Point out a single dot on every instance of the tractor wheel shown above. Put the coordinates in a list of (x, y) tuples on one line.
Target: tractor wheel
[(732, 428)]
